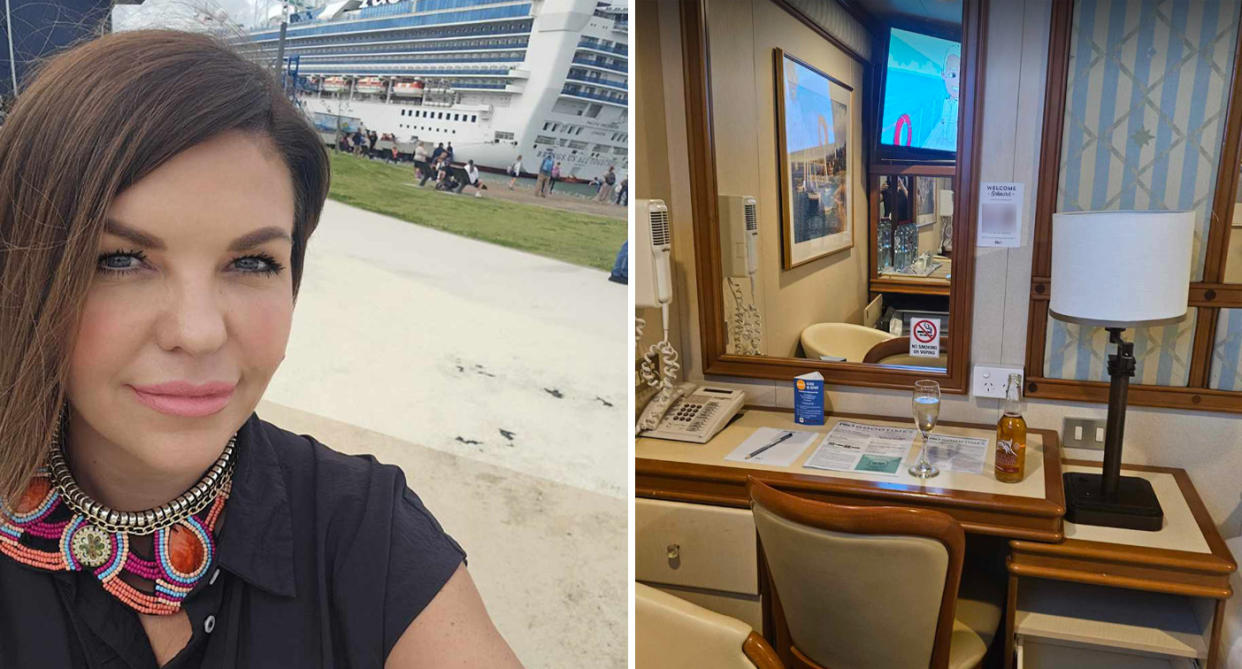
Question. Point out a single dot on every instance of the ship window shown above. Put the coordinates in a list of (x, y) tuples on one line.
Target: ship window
[(473, 118)]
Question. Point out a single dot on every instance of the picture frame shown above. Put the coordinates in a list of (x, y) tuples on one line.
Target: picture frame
[(925, 200), (814, 148)]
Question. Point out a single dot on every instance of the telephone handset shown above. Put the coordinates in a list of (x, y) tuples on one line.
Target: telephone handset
[(691, 413)]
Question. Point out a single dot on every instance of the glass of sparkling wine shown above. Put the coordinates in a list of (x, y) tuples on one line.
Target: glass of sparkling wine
[(926, 405)]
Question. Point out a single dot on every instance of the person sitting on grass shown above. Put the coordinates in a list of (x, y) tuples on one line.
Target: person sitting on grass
[(448, 183), (472, 178)]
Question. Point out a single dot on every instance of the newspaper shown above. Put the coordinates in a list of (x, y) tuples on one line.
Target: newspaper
[(957, 454), (855, 447)]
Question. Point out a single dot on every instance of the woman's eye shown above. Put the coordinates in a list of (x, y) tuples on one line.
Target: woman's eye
[(260, 263), (126, 262), (121, 262)]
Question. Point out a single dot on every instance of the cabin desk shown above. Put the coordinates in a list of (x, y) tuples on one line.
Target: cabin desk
[(699, 474), (1168, 587), (695, 536)]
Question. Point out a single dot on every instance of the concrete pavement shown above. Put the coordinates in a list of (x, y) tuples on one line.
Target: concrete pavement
[(496, 379)]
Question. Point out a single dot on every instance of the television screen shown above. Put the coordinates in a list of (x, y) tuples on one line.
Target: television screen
[(920, 92)]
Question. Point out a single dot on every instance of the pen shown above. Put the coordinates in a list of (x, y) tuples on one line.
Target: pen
[(776, 441)]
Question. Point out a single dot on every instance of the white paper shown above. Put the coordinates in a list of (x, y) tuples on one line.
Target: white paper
[(855, 447), (1000, 214), (780, 455), (925, 337), (957, 454)]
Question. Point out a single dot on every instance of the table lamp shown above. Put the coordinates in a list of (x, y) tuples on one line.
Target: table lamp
[(1118, 270)]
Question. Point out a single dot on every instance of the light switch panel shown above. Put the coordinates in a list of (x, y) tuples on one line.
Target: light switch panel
[(1082, 433)]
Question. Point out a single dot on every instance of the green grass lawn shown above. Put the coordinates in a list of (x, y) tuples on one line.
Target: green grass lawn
[(576, 238)]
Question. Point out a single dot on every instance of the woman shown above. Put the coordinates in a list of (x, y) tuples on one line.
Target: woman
[(148, 274)]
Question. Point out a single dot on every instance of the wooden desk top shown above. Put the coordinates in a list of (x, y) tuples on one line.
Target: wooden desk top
[(1185, 557), (1031, 509)]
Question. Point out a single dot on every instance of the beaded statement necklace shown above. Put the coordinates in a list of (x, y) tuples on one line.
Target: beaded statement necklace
[(149, 560)]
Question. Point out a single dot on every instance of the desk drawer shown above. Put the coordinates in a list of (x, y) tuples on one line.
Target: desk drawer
[(695, 545), (1035, 653)]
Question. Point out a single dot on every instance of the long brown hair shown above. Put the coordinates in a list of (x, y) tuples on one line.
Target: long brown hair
[(94, 120)]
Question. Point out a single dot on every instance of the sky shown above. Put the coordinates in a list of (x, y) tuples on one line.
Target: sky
[(181, 14)]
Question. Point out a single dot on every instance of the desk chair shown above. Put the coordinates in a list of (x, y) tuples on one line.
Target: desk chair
[(840, 340), (868, 586), (896, 351), (671, 633)]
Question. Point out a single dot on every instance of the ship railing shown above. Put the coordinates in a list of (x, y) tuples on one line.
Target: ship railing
[(584, 60), (578, 93), (596, 81)]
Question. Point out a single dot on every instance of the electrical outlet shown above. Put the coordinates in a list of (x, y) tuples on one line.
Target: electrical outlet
[(1082, 433), (990, 381)]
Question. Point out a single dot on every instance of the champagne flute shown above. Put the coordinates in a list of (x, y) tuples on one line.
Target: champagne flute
[(926, 404)]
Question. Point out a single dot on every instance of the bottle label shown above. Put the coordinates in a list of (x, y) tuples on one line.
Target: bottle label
[(1006, 456)]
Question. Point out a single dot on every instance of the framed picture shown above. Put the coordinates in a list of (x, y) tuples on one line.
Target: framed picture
[(925, 200), (813, 139)]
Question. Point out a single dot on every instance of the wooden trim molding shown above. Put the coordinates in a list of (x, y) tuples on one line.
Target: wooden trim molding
[(703, 193), (888, 285), (894, 346), (881, 520), (761, 653), (1208, 295), (1199, 399)]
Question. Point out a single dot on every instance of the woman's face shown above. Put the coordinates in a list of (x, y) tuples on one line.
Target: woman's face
[(192, 285)]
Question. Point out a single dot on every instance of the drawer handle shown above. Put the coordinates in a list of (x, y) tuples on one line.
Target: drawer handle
[(674, 551)]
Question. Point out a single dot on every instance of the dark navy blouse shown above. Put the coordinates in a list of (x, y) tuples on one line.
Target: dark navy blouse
[(322, 560)]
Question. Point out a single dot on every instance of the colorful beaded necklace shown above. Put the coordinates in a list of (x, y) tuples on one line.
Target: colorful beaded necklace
[(148, 560)]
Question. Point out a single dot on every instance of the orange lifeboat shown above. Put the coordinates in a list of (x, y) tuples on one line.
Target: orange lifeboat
[(370, 85), (408, 89), (333, 84)]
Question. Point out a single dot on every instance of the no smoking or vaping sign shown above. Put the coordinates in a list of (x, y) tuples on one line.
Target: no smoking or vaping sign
[(925, 337)]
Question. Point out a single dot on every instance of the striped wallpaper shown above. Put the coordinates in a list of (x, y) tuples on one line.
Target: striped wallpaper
[(833, 18), (1144, 116), (1226, 372)]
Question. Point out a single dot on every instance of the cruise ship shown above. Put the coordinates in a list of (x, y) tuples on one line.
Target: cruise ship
[(496, 78)]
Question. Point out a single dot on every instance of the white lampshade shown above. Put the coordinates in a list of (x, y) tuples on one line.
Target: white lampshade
[(1121, 268), (946, 203)]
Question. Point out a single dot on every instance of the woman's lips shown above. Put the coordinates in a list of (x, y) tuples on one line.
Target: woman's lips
[(181, 405)]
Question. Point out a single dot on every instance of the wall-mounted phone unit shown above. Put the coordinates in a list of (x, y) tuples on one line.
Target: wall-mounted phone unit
[(695, 414), (739, 235), (739, 242), (653, 287), (653, 280)]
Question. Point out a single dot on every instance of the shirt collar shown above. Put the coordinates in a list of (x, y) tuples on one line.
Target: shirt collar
[(256, 539)]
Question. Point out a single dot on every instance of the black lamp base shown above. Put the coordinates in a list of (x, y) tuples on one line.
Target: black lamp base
[(1135, 508)]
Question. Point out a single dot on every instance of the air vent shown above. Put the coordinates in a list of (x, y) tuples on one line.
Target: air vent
[(751, 223), (659, 228)]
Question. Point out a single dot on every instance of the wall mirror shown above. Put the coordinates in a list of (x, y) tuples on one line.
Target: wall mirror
[(827, 145)]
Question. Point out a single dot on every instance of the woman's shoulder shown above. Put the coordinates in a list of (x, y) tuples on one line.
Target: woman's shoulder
[(308, 463)]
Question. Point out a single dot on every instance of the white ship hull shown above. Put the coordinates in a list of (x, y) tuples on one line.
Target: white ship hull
[(498, 78), (471, 140)]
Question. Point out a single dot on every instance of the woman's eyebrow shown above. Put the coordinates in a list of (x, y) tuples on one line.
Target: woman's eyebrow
[(247, 241)]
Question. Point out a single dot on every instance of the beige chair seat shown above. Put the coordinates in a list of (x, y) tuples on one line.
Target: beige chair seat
[(671, 633), (841, 340), (966, 649), (980, 603)]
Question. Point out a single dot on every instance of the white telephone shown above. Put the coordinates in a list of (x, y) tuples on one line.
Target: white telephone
[(691, 413), (739, 239)]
